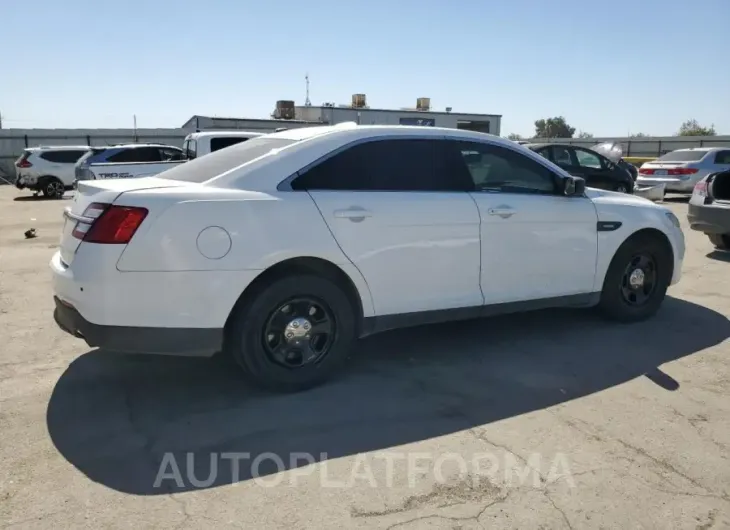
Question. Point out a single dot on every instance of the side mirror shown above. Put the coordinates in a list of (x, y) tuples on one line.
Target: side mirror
[(574, 186)]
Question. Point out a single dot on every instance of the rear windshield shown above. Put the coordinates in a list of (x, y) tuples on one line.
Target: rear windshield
[(682, 156), (214, 164)]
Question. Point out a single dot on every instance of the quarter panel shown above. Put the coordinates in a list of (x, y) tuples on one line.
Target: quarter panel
[(633, 218), (263, 230)]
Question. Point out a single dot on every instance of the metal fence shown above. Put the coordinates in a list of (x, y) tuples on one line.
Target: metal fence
[(646, 146)]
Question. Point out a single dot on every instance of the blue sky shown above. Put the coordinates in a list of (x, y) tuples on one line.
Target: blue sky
[(609, 67)]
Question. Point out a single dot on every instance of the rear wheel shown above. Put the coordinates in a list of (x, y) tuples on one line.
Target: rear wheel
[(294, 334), (621, 188), (721, 241), (637, 279), (52, 188)]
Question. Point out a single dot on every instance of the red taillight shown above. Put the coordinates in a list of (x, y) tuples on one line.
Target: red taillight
[(682, 171), (22, 162), (701, 189), (109, 224), (672, 171)]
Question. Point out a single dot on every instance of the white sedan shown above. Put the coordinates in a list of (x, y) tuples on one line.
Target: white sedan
[(283, 250)]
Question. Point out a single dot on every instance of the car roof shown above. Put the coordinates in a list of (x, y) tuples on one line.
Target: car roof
[(311, 143), (224, 134), (707, 149), (131, 146), (57, 148)]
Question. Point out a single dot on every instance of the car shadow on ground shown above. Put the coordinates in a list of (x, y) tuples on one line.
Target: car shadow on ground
[(719, 255), (115, 417), (676, 198), (34, 198)]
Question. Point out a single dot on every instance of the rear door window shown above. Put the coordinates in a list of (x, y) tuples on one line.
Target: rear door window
[(220, 142), (168, 154), (389, 165), (563, 156), (63, 156), (136, 154), (589, 160), (722, 157)]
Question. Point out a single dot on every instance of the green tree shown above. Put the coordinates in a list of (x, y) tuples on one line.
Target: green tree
[(555, 127), (514, 136), (639, 135), (693, 128), (584, 134)]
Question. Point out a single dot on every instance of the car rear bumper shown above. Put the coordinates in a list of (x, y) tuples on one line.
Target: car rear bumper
[(197, 342), (182, 314), (671, 184), (710, 219)]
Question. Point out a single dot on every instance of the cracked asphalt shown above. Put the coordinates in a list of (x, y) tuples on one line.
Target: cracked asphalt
[(552, 419)]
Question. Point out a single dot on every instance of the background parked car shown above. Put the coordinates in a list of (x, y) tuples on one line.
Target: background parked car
[(709, 209), (597, 170), (201, 143), (126, 161), (49, 169), (680, 170)]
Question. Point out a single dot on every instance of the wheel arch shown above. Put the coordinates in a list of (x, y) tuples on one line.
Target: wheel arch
[(650, 233), (309, 265)]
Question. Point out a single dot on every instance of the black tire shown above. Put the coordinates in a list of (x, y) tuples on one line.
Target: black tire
[(614, 304), (52, 188), (721, 241), (247, 333), (621, 188)]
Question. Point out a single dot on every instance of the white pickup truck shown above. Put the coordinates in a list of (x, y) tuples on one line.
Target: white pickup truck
[(146, 160)]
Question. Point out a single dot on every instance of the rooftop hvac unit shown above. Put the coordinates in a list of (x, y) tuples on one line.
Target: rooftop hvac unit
[(359, 101), (284, 110), (423, 104)]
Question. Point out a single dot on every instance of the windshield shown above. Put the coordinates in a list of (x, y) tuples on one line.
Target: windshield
[(682, 156), (214, 164)]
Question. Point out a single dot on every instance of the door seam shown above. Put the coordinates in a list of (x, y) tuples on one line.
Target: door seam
[(347, 257), (481, 243)]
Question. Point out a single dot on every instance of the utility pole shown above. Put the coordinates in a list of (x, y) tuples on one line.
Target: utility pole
[(1, 120), (135, 127)]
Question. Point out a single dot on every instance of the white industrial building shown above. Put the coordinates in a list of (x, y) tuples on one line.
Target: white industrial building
[(422, 114)]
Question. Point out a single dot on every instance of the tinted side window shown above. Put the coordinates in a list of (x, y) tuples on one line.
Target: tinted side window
[(588, 159), (136, 154), (722, 157), (495, 168), (388, 165), (220, 143), (168, 154), (62, 157), (562, 156)]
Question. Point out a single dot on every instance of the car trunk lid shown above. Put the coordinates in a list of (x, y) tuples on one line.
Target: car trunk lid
[(98, 192)]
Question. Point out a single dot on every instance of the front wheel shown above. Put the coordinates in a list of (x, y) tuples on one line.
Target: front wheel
[(637, 280), (294, 334)]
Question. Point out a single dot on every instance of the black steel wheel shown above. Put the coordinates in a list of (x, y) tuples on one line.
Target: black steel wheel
[(292, 333), (637, 279), (299, 332)]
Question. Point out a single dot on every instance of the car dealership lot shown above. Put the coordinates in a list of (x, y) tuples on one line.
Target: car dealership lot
[(556, 418)]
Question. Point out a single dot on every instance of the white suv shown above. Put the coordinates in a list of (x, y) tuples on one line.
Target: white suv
[(282, 250), (48, 170)]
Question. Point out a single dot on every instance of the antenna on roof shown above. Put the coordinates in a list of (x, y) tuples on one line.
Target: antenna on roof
[(307, 103)]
